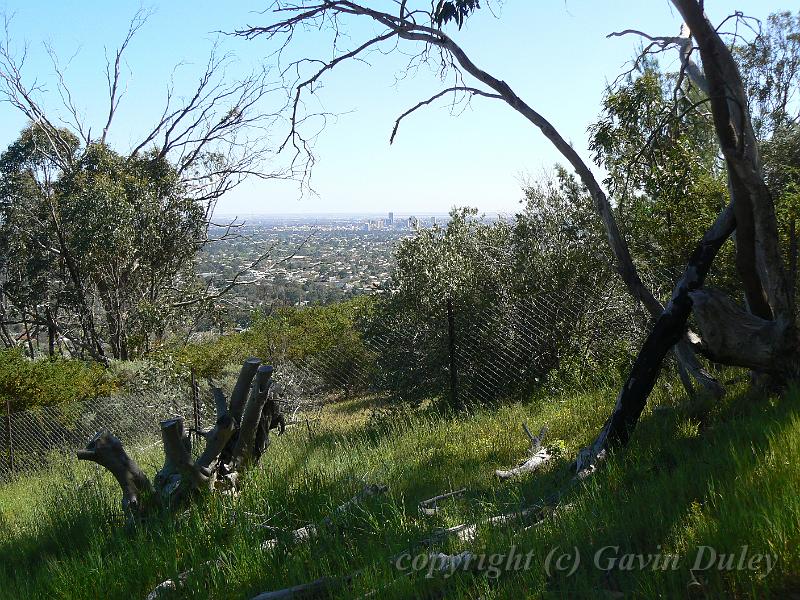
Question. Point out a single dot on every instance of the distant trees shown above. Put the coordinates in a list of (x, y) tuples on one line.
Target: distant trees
[(97, 244)]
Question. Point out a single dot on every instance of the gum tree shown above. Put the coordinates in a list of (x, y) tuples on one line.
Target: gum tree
[(760, 336), (98, 242)]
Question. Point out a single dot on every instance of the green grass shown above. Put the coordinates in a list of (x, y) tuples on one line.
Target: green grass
[(697, 473)]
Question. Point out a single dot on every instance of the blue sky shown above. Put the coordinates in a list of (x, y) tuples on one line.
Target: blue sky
[(554, 53)]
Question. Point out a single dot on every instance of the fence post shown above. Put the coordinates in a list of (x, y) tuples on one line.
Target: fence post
[(196, 405), (9, 439), (451, 335)]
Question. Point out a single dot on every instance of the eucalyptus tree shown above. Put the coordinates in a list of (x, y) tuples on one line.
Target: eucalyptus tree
[(98, 242), (760, 337)]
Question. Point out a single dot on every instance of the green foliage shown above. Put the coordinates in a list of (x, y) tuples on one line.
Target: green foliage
[(454, 10), (509, 282), (782, 170), (770, 67), (663, 172), (324, 338), (100, 230), (31, 383)]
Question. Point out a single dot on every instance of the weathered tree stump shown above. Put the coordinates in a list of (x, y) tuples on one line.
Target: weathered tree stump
[(237, 441)]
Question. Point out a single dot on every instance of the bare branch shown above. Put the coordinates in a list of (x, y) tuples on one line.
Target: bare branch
[(470, 90), (113, 79)]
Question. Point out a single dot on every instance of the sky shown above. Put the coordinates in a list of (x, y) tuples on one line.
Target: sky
[(553, 53)]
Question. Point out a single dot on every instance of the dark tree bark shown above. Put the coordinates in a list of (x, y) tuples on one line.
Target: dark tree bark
[(668, 329), (106, 450)]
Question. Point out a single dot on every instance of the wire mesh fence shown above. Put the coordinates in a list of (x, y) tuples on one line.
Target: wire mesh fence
[(578, 338), (34, 438)]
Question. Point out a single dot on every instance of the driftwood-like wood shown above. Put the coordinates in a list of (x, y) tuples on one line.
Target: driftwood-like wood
[(242, 387), (668, 329), (229, 446), (465, 561), (106, 450), (732, 335), (218, 437), (430, 506), (319, 588), (537, 456), (185, 476), (300, 535)]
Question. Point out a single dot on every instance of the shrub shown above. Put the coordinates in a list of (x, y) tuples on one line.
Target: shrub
[(29, 383), (323, 339)]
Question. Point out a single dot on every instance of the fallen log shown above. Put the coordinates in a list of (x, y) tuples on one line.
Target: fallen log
[(326, 586), (430, 506)]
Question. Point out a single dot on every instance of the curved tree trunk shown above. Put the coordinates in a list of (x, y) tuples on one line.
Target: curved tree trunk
[(765, 336)]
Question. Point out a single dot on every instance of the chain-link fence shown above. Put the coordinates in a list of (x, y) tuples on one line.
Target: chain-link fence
[(573, 339), (34, 438)]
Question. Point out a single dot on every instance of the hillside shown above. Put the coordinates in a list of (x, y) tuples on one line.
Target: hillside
[(697, 476)]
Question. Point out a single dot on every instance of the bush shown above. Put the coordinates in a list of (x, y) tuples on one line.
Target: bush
[(323, 339), (530, 299), (29, 383)]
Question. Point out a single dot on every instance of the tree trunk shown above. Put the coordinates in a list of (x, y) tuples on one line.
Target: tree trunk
[(668, 329), (619, 247), (106, 450), (736, 336), (51, 333)]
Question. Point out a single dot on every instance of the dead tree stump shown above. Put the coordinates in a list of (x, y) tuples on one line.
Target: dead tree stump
[(236, 442)]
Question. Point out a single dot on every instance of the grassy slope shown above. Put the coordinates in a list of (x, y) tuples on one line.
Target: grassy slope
[(723, 475)]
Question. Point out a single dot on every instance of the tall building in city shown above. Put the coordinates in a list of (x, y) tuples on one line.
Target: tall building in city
[(391, 219)]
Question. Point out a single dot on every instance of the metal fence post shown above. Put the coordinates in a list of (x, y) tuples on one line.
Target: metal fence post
[(9, 438), (451, 336)]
